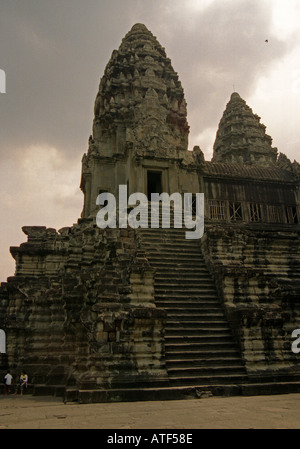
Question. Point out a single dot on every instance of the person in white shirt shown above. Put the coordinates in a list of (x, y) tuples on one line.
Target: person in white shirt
[(8, 382)]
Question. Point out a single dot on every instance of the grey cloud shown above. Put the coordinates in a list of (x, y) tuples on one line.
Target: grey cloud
[(55, 52), (223, 49)]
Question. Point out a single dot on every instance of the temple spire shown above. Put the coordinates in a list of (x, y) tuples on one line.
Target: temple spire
[(140, 104), (241, 138), (140, 112)]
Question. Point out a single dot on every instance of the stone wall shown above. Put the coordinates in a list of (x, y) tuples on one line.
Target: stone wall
[(257, 273), (80, 309)]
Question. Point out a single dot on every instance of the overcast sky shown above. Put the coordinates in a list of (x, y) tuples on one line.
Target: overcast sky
[(55, 52)]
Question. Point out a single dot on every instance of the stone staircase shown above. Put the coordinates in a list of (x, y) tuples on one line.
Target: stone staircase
[(199, 347)]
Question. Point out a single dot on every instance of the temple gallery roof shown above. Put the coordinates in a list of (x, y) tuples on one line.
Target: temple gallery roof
[(237, 170)]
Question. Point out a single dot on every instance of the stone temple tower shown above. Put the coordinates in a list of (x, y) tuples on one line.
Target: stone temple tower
[(131, 314), (140, 117), (241, 138)]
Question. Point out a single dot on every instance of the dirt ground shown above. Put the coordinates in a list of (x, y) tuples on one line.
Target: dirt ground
[(255, 412)]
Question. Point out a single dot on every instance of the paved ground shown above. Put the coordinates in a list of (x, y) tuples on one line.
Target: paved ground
[(255, 412)]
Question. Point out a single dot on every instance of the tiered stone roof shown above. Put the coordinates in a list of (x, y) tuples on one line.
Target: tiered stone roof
[(140, 99), (241, 138)]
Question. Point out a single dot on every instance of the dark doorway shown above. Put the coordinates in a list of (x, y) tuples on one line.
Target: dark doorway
[(153, 183)]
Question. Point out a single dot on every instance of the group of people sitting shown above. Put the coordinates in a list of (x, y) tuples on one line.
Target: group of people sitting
[(19, 386)]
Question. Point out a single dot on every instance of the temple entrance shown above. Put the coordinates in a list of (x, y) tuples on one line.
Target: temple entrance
[(154, 183)]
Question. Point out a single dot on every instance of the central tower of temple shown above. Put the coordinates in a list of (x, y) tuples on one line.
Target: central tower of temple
[(140, 116)]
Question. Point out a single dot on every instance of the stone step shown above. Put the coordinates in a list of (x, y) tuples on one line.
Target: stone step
[(163, 231), (195, 276), (163, 226), (212, 371), (159, 240), (184, 260), (176, 286), (167, 238), (204, 362), (155, 241), (184, 294), (165, 235), (180, 253), (165, 279), (197, 316), (188, 324), (173, 296), (198, 283), (171, 247), (167, 304), (177, 268), (198, 308), (193, 339), (192, 311), (144, 232), (197, 354), (178, 290), (168, 242), (170, 332), (208, 379), (171, 272), (199, 347)]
